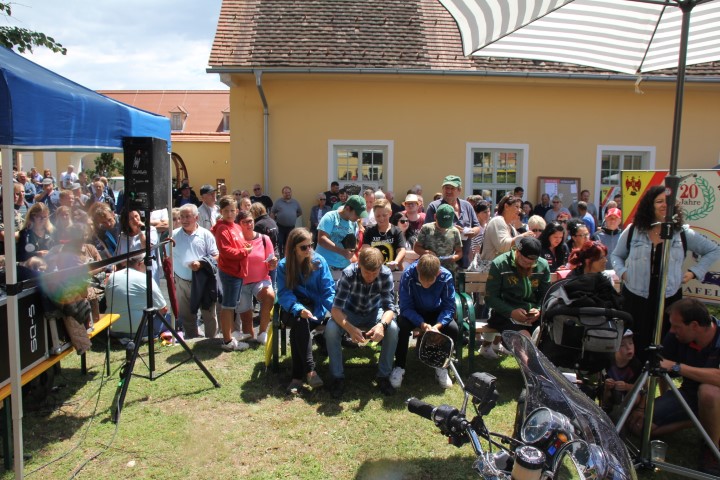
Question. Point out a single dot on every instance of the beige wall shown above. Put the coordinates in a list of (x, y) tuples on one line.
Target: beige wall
[(205, 162), (431, 119)]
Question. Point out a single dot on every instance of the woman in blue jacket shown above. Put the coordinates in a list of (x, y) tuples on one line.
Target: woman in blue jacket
[(639, 265), (305, 292)]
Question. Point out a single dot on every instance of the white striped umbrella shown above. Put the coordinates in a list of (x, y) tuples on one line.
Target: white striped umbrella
[(619, 35)]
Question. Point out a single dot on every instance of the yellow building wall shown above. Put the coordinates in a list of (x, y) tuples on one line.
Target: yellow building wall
[(431, 120)]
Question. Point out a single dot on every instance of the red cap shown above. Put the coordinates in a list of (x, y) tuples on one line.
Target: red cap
[(614, 211)]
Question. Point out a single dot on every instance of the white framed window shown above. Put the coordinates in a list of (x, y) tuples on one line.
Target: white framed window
[(611, 160), (496, 167), (359, 164)]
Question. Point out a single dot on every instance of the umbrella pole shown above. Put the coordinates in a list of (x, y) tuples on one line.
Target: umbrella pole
[(672, 182)]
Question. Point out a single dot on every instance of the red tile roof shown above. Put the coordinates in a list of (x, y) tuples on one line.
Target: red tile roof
[(404, 35), (204, 109)]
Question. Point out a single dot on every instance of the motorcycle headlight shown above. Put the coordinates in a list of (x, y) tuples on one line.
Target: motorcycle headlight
[(547, 430)]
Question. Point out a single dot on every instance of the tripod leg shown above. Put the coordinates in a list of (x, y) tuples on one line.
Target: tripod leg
[(710, 443), (630, 400), (126, 373), (181, 341)]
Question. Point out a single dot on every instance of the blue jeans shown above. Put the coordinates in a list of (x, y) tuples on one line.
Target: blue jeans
[(334, 333)]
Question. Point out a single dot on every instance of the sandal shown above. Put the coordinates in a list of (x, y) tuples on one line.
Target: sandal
[(295, 387)]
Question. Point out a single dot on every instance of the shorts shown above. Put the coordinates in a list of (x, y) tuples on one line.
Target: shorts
[(247, 293), (668, 409), (231, 287)]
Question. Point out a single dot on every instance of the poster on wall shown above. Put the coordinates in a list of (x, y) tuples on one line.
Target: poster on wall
[(698, 196)]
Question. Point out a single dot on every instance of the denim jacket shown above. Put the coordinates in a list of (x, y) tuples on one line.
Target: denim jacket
[(636, 261), (319, 286)]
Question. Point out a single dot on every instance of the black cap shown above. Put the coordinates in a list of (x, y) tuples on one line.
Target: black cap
[(529, 247)]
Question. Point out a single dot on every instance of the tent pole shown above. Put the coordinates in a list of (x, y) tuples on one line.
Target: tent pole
[(8, 156)]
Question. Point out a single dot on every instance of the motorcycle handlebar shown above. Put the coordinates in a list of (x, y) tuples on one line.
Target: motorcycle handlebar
[(418, 407)]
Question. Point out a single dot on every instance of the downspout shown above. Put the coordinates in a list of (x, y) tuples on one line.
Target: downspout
[(266, 132)]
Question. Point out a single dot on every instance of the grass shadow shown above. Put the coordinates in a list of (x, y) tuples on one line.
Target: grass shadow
[(449, 468)]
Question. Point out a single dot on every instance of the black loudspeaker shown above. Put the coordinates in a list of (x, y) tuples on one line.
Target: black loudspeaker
[(147, 173)]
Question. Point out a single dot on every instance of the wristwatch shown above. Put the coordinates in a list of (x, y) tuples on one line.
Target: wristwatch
[(675, 368)]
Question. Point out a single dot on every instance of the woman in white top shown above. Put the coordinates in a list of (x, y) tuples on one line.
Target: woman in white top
[(499, 232)]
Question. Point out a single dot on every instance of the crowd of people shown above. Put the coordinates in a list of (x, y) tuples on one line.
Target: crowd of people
[(234, 251)]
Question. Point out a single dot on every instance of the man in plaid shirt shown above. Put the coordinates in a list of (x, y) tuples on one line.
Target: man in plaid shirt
[(365, 308)]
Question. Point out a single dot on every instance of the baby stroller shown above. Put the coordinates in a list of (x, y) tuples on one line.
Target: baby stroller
[(581, 327)]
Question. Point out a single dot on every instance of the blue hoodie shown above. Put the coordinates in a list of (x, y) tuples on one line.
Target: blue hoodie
[(439, 297)]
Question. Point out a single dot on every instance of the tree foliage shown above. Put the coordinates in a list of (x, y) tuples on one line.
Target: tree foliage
[(23, 39), (105, 165)]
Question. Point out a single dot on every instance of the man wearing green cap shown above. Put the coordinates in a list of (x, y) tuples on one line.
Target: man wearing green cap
[(337, 233), (464, 217), (441, 238)]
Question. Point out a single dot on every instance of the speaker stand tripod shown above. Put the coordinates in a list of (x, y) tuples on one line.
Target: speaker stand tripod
[(132, 352)]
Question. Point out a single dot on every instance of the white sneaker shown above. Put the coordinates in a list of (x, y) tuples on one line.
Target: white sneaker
[(262, 338), (234, 346), (396, 377), (488, 352), (443, 378), (240, 336)]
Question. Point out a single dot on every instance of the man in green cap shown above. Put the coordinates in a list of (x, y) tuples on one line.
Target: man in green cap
[(441, 238), (337, 233), (464, 217)]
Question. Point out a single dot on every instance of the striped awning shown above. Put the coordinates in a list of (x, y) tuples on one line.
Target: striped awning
[(627, 36)]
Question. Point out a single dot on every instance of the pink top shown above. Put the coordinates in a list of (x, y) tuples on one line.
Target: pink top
[(257, 267)]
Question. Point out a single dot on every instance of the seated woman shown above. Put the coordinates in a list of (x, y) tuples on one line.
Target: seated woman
[(554, 249), (578, 232), (35, 238), (132, 237), (305, 292)]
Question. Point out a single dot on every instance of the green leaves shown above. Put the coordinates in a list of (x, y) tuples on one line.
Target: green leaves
[(23, 39)]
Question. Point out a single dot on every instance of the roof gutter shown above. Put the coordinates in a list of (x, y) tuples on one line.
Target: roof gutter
[(463, 73), (266, 131)]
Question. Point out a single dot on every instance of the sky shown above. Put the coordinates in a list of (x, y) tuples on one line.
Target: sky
[(125, 45)]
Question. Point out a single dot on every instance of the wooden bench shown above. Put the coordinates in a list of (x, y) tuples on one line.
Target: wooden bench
[(471, 288), (5, 392)]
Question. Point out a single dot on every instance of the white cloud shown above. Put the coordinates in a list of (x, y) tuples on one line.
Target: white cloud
[(128, 45)]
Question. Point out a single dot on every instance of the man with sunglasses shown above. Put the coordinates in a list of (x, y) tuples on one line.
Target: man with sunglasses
[(259, 196), (516, 285)]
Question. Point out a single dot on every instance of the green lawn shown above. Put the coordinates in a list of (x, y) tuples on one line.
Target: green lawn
[(180, 426)]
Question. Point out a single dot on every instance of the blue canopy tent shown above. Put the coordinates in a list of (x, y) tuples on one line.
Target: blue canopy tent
[(41, 110)]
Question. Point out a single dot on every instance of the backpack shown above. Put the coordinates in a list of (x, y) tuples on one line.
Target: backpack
[(683, 238)]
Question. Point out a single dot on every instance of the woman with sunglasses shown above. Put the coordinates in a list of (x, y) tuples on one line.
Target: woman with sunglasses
[(306, 291), (579, 234), (257, 283), (35, 238), (554, 249), (500, 233)]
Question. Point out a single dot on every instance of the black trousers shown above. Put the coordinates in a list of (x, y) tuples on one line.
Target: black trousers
[(301, 345), (283, 233), (406, 327)]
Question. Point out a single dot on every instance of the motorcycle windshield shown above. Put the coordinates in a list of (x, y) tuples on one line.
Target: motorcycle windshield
[(547, 387)]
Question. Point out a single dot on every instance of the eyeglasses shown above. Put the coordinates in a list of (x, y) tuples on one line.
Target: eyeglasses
[(586, 235), (537, 230), (562, 221), (556, 201), (42, 217), (305, 247), (257, 188), (247, 221), (238, 194), (402, 220)]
